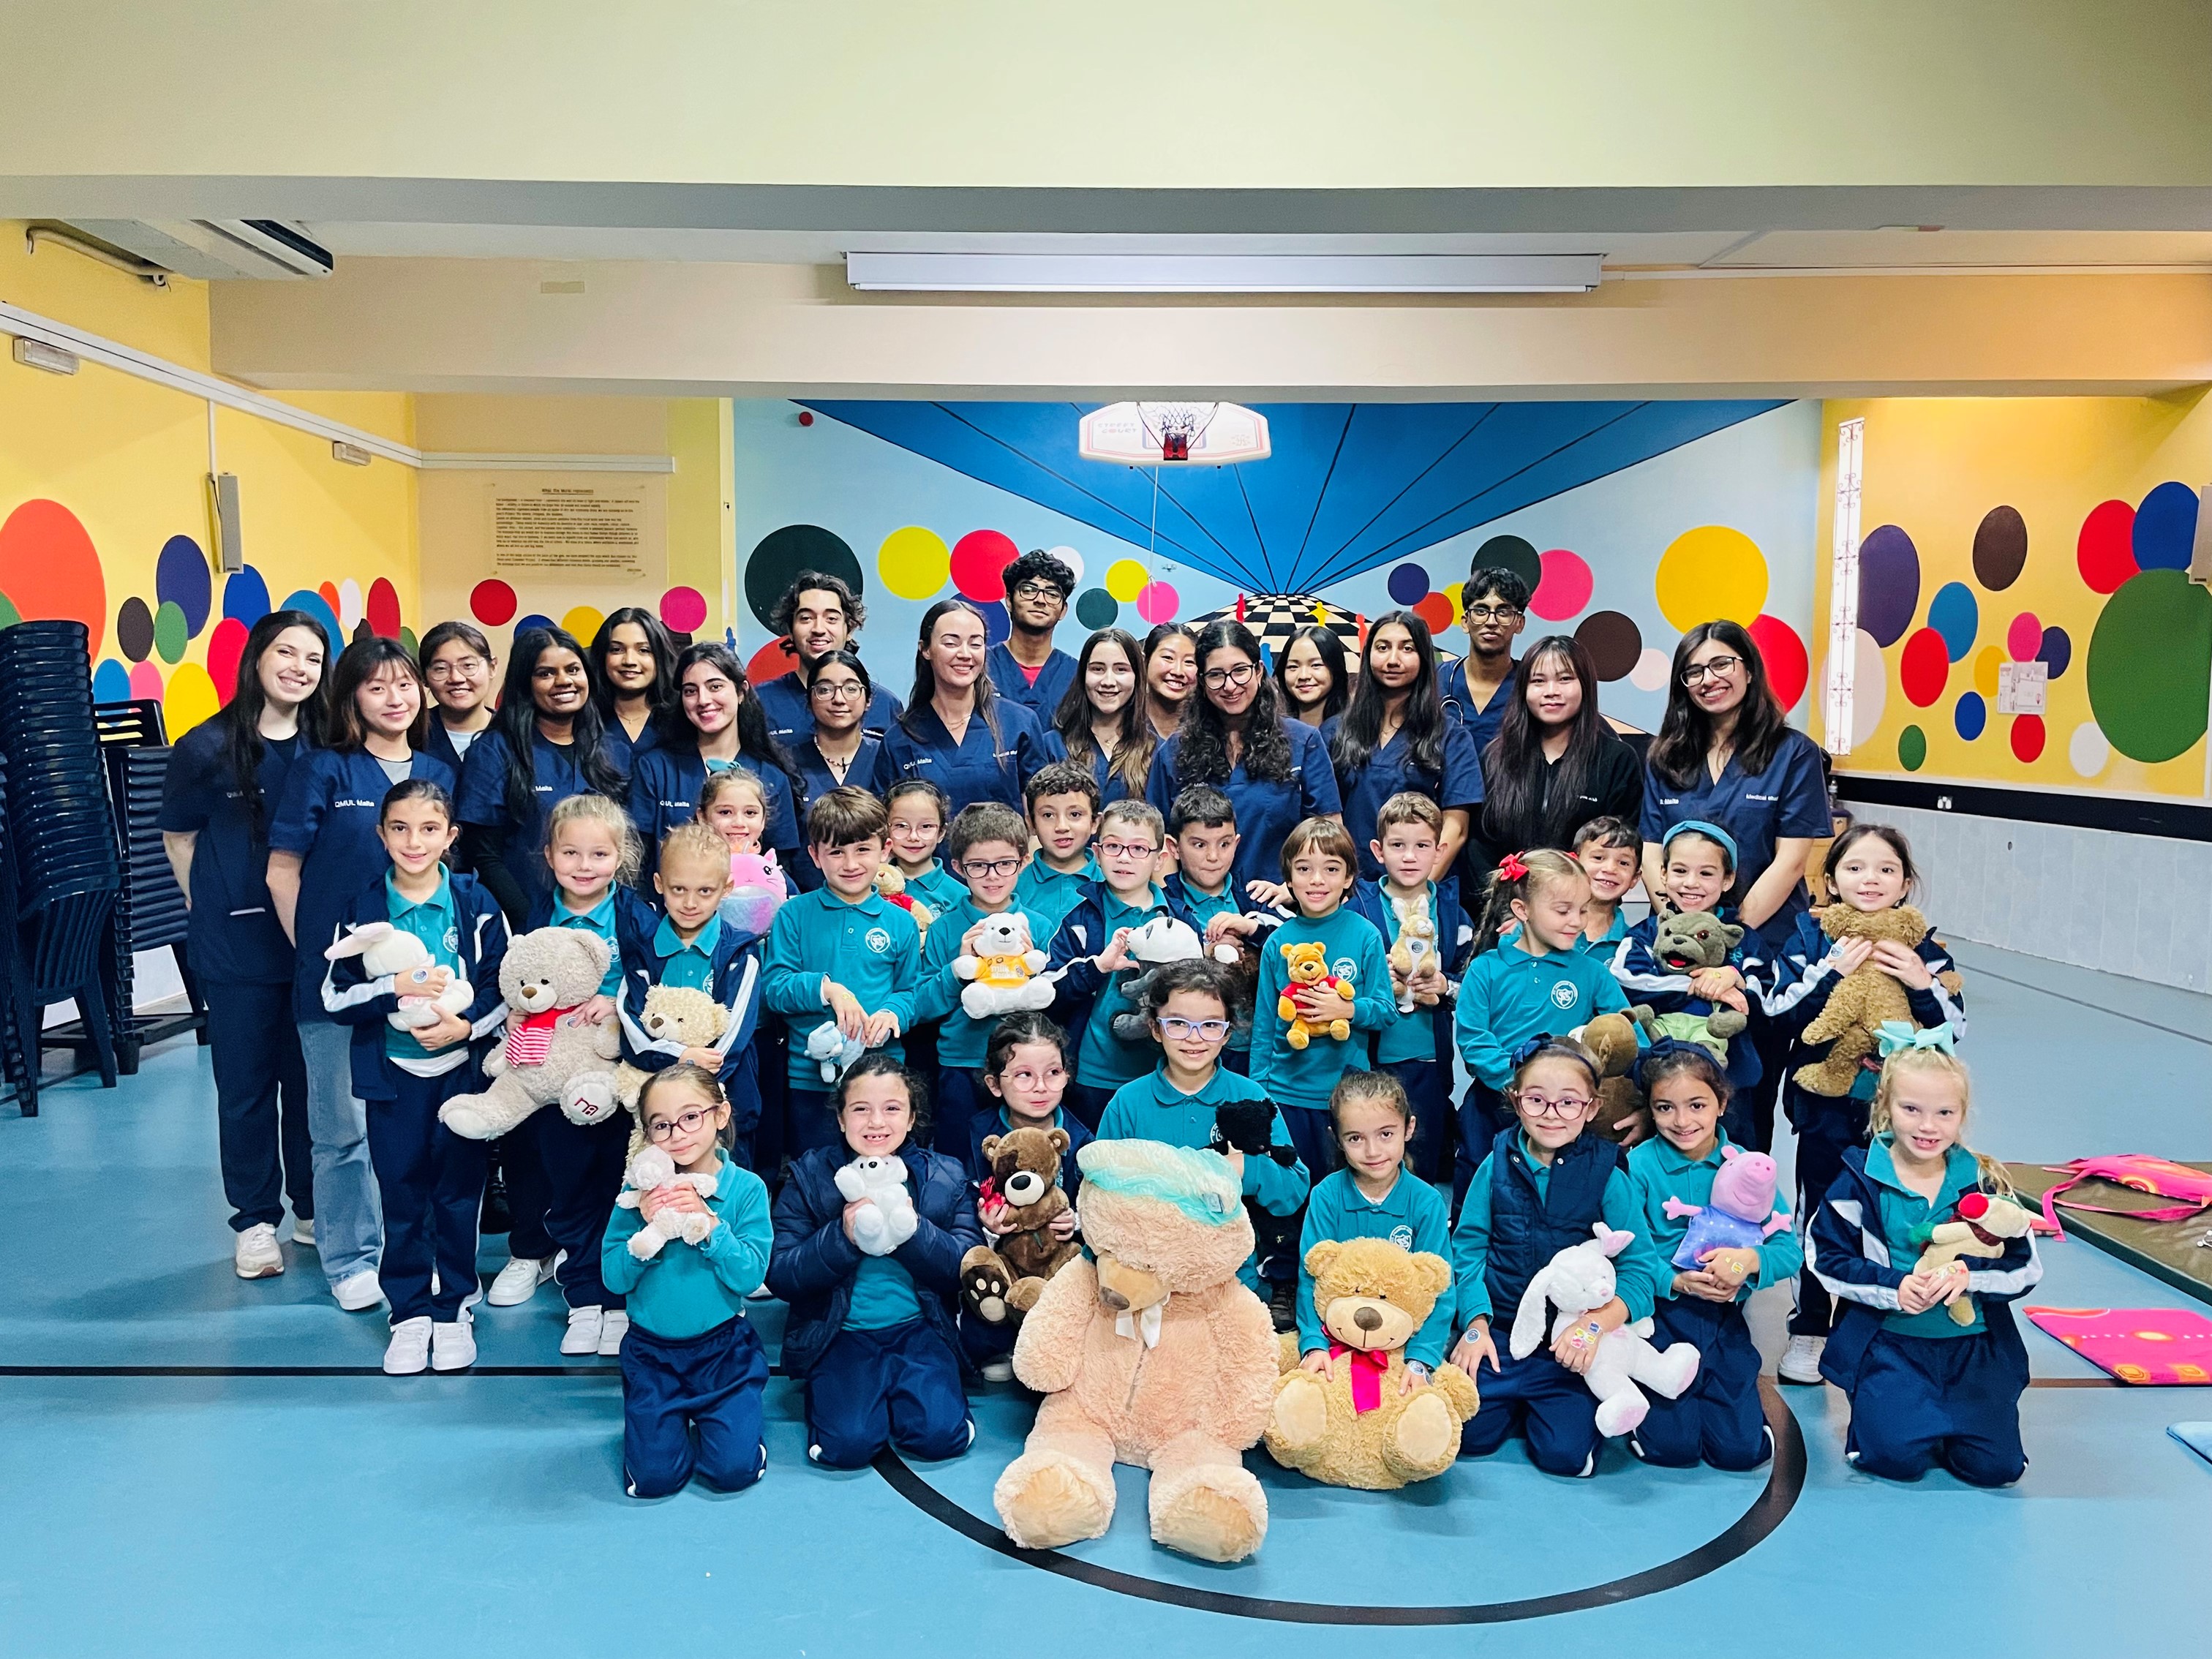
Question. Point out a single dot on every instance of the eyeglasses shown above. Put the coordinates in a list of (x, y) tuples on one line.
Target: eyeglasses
[(455, 668), (989, 869), (1174, 1026), (1038, 590), (1216, 678), (1475, 613), (1717, 666), (1566, 1106), (685, 1123), (1127, 849), (837, 690)]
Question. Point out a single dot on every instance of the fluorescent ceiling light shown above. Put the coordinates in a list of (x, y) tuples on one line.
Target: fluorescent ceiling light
[(1229, 273)]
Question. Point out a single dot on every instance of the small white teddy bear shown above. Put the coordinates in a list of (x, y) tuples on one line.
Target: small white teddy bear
[(653, 1168), (1003, 975), (889, 1221), (385, 951), (1575, 1280)]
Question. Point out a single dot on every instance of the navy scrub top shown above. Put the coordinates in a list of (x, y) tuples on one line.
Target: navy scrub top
[(234, 936), (329, 816), (1389, 771), (976, 769), (1267, 812), (556, 773), (1011, 681), (865, 772), (790, 717), (664, 792), (1112, 785), (1482, 723), (1789, 798), (624, 751)]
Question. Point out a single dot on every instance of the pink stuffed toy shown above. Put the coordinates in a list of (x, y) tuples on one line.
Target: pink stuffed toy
[(756, 891), (1741, 1214)]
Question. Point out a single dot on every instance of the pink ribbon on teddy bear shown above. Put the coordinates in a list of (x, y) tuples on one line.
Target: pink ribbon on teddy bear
[(1366, 1378)]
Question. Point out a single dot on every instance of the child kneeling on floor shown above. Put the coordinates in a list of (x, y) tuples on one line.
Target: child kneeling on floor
[(873, 1335), (692, 1360)]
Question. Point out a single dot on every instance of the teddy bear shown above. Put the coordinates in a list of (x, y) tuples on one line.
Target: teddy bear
[(1735, 1220), (1151, 945), (1685, 942), (1981, 1225), (547, 1058), (1308, 962), (1575, 1280), (756, 892), (835, 1050), (1858, 1005), (1003, 975), (673, 1014), (651, 1168), (1152, 1354), (1622, 1114), (1021, 1193), (385, 951), (889, 1221), (1358, 1426), (891, 884), (1415, 952)]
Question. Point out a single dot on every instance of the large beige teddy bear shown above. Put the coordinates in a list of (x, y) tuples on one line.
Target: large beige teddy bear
[(1859, 1007), (549, 1057), (673, 1014), (1153, 1355)]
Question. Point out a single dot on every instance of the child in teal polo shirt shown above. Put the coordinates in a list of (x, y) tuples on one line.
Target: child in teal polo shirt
[(916, 826), (1062, 799), (1090, 949), (1611, 852)]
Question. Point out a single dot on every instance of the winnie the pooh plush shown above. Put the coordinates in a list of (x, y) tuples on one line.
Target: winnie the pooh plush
[(1152, 1355), (547, 1057), (676, 1015), (893, 885), (1308, 964), (1022, 1197), (1359, 1426), (1858, 1005)]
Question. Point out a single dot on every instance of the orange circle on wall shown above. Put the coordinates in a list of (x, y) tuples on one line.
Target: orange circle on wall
[(53, 569)]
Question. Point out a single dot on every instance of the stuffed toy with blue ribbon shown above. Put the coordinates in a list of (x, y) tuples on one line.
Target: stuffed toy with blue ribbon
[(1865, 1000)]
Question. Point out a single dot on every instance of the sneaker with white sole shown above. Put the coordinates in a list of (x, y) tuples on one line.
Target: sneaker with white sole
[(998, 1370), (359, 1292), (453, 1347), (518, 1281), (255, 1254), (583, 1335), (614, 1325), (1801, 1361), (408, 1353), (303, 1232)]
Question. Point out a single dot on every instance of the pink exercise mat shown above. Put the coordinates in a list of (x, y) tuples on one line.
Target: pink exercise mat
[(2155, 1348)]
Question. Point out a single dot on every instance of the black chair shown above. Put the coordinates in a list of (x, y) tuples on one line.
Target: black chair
[(150, 913)]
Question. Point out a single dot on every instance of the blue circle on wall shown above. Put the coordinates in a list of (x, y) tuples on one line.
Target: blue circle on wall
[(1889, 583), (523, 625), (1408, 583), (2165, 528), (111, 682), (317, 606), (997, 625), (246, 596), (1953, 614), (1971, 716), (2057, 652), (181, 579)]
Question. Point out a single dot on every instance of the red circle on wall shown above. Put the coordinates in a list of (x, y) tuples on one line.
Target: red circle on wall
[(226, 645), (1783, 652), (1924, 667), (772, 661), (978, 559), (51, 570), (2106, 548), (491, 602), (1435, 609), (2026, 736), (382, 608)]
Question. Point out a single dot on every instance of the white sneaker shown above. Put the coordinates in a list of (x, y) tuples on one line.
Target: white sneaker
[(613, 1326), (518, 1281), (408, 1353), (454, 1347), (359, 1292), (583, 1335), (256, 1254), (998, 1370), (303, 1232), (1800, 1362)]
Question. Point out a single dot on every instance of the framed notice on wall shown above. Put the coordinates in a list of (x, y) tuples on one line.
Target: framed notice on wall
[(609, 529), (2021, 686)]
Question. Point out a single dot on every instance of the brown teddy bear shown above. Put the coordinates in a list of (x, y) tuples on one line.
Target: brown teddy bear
[(1023, 1195), (1622, 1114), (1359, 1425), (1857, 1006), (1308, 967), (674, 1014), (1153, 1355)]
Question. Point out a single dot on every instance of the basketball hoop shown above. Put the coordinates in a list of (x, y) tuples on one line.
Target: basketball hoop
[(1174, 435)]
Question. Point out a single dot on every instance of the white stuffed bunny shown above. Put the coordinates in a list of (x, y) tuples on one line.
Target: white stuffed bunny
[(653, 1168), (386, 952), (889, 1221), (1575, 1280)]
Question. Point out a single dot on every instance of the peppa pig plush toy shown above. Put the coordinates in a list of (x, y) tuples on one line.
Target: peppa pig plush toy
[(1741, 1214)]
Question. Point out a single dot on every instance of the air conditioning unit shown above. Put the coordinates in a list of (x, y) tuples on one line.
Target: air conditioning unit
[(217, 250)]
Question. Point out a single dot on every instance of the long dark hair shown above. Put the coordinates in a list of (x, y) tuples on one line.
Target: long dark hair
[(1202, 754), (664, 662), (516, 722), (1334, 658), (1360, 734), (1686, 735), (1516, 809), (924, 677), (241, 717), (358, 664), (754, 741), (1134, 742)]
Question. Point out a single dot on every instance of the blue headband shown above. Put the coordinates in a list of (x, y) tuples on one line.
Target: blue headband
[(1711, 832)]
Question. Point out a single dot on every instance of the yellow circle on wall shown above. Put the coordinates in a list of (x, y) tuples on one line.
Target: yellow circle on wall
[(584, 622), (1709, 574), (1985, 672), (189, 699), (914, 562), (1125, 579)]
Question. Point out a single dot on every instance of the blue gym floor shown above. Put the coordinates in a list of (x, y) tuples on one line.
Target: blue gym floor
[(196, 1465)]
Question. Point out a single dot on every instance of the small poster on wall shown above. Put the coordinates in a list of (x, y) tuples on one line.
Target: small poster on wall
[(2020, 687), (594, 530)]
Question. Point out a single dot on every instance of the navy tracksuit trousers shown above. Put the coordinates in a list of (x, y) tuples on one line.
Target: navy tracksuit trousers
[(431, 1182), (1719, 1421), (583, 1173), (898, 1387), (710, 1386), (1428, 1091), (1540, 1399), (1921, 1401)]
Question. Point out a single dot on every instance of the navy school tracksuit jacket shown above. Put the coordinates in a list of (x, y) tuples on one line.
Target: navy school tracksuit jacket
[(735, 962), (1455, 946), (1643, 978), (351, 998)]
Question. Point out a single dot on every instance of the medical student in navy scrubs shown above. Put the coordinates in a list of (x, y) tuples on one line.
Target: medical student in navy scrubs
[(1726, 753), (957, 733), (1024, 667), (1101, 719), (1555, 765), (458, 667), (632, 666), (819, 614), (1496, 603), (1314, 674), (1395, 736), (544, 745), (714, 722), (841, 751), (225, 778), (323, 850), (1275, 771), (1171, 676)]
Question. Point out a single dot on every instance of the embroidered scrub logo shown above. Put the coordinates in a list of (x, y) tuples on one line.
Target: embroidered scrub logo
[(368, 806), (1565, 995), (1402, 1238), (878, 940)]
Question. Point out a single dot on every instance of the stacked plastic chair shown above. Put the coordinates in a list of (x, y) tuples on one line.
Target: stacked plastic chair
[(67, 871), (150, 914)]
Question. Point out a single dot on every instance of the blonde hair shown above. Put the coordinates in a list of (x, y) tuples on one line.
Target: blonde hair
[(698, 841), (1540, 870), (1138, 813), (1992, 1174), (681, 1071), (630, 849), (1409, 806), (719, 784)]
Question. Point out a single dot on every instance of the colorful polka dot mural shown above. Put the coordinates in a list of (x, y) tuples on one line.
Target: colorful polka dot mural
[(181, 578), (1999, 548), (782, 554), (1095, 608), (1712, 571), (384, 608), (2104, 550), (1987, 661), (111, 682), (2149, 660), (246, 596), (171, 635), (2165, 528), (226, 648), (52, 568), (979, 561), (1953, 614), (492, 602), (1925, 665), (1565, 587), (134, 629), (2024, 637), (2087, 750), (772, 661), (583, 621), (914, 562), (1515, 553), (1889, 583), (1125, 579), (1613, 641), (1971, 715), (1435, 609), (2026, 737), (1157, 602), (1408, 585), (684, 610), (1788, 667), (314, 604), (1912, 749)]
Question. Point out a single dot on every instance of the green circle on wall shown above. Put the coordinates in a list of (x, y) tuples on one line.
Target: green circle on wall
[(1097, 609), (172, 632), (1912, 749), (407, 639), (2148, 662), (8, 615)]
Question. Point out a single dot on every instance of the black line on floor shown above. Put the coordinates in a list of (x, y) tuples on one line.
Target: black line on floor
[(1785, 1482), (2095, 1007)]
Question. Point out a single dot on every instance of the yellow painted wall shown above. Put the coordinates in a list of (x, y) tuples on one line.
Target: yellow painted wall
[(129, 460), (1934, 468)]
